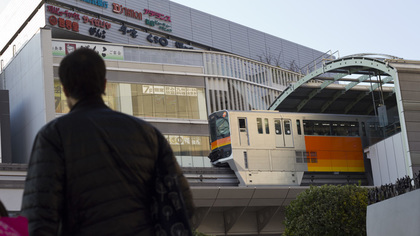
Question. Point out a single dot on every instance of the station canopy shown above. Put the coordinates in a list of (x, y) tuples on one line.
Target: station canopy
[(356, 84)]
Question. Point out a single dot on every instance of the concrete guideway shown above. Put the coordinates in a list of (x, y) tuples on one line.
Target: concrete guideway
[(220, 209)]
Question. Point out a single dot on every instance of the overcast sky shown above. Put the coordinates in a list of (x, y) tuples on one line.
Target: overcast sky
[(351, 27)]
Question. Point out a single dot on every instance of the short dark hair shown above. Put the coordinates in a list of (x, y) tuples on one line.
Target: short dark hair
[(82, 74)]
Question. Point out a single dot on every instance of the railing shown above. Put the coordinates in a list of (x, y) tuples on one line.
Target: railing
[(403, 185), (319, 62)]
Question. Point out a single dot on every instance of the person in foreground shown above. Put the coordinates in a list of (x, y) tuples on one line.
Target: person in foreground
[(92, 171)]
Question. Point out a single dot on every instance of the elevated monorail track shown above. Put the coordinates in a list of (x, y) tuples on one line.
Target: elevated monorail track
[(216, 176), (12, 176)]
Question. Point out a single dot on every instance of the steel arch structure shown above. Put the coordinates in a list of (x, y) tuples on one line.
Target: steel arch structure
[(337, 70), (324, 97)]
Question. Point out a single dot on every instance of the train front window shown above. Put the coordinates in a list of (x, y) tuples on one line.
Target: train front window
[(222, 127), (219, 126)]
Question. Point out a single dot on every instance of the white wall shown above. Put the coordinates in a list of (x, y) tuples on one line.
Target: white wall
[(29, 79), (19, 11), (395, 216), (387, 160), (11, 199)]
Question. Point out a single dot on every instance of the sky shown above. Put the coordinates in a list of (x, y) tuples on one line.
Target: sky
[(349, 27)]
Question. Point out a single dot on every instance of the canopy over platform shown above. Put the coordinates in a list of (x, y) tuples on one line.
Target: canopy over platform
[(349, 85)]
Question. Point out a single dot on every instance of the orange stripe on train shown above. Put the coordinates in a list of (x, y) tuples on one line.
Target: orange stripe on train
[(220, 143), (335, 154)]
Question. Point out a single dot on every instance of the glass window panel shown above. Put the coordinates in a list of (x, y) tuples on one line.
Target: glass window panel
[(182, 107), (148, 105), (242, 123), (171, 106), (147, 100), (287, 127), (259, 125), (277, 127), (267, 128), (185, 143), (196, 146), (111, 97), (159, 105), (60, 99), (136, 100)]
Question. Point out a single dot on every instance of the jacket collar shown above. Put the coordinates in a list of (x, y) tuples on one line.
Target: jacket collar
[(88, 103)]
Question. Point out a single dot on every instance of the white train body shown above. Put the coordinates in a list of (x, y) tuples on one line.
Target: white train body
[(273, 148)]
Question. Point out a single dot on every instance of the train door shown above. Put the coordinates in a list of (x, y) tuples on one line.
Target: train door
[(284, 134), (243, 132)]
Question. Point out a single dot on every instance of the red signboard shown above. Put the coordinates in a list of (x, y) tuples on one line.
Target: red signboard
[(63, 23)]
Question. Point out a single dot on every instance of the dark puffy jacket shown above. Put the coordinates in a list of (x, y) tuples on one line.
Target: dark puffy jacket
[(74, 184)]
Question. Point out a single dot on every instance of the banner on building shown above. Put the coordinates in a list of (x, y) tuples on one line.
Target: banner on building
[(60, 48)]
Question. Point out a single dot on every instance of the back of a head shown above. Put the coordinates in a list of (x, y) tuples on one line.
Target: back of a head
[(82, 74)]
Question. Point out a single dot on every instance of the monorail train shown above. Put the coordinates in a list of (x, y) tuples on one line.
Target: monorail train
[(274, 148)]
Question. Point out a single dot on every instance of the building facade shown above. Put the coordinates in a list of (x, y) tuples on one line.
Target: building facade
[(166, 63)]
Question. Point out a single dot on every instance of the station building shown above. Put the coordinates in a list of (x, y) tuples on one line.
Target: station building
[(172, 66), (166, 63)]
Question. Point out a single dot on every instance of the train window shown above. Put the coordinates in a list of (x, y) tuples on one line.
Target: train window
[(259, 125), (267, 129), (298, 127), (242, 125), (364, 129), (325, 128), (246, 159), (222, 126), (345, 128), (299, 158), (308, 128), (277, 127), (287, 127), (331, 128)]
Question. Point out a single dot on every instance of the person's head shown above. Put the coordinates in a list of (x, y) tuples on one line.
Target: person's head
[(82, 74)]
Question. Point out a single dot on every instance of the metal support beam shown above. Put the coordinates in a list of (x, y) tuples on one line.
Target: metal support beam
[(303, 102), (331, 101), (231, 217), (351, 105), (314, 92), (264, 216), (360, 79), (384, 81), (199, 215), (342, 63), (368, 111)]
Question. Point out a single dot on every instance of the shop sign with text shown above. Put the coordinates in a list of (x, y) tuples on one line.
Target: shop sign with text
[(60, 48), (120, 9), (165, 25), (98, 3), (156, 39), (65, 23), (98, 26)]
